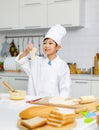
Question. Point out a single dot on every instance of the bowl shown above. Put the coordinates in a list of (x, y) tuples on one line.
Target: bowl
[(17, 95)]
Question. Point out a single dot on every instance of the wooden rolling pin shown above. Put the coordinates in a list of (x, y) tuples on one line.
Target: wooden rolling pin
[(86, 99)]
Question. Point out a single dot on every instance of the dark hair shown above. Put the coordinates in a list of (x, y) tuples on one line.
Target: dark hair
[(52, 39)]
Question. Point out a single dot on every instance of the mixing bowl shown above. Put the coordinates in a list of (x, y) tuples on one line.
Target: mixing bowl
[(17, 95)]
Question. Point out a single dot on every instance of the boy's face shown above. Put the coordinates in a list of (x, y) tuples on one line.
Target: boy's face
[(50, 47)]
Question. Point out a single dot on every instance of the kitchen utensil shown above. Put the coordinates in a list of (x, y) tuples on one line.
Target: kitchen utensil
[(15, 94), (18, 45), (8, 86), (39, 47), (23, 44), (90, 106), (5, 49)]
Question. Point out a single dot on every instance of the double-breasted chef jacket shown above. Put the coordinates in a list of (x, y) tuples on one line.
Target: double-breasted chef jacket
[(46, 79)]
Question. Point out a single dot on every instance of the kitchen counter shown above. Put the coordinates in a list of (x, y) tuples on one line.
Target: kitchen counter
[(89, 84), (10, 109), (17, 74), (73, 76), (85, 76)]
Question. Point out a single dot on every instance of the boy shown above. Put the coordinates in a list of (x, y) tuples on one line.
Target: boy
[(48, 76)]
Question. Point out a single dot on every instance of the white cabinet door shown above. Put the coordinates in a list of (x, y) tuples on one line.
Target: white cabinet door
[(65, 12), (33, 13), (95, 88), (20, 83), (80, 88), (9, 14), (3, 89)]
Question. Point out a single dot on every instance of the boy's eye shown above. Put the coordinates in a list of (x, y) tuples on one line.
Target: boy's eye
[(50, 43), (44, 43)]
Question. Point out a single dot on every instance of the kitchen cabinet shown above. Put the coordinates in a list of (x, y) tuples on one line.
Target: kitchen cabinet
[(28, 14), (16, 82), (2, 87), (45, 13), (9, 14), (80, 88), (95, 88), (19, 82), (33, 13), (66, 12)]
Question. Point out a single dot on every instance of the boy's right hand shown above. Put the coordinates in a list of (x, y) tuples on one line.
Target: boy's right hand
[(29, 47)]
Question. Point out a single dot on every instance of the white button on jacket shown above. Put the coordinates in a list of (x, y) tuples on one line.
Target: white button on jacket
[(47, 79)]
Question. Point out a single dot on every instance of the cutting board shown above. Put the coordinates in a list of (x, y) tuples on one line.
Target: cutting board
[(44, 101), (48, 127)]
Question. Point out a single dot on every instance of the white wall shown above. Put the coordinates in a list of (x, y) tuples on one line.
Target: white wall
[(81, 44)]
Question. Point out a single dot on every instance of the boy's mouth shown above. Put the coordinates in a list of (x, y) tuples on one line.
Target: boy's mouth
[(47, 50)]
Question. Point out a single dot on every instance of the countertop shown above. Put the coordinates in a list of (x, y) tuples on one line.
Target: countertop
[(10, 109), (85, 76), (73, 76), (16, 74)]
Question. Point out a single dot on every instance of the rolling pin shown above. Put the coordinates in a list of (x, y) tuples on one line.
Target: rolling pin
[(87, 99)]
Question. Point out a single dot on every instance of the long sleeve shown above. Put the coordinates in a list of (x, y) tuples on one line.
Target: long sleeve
[(24, 63), (65, 83)]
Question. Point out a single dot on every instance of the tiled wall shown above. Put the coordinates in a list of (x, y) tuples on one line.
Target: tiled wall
[(81, 44)]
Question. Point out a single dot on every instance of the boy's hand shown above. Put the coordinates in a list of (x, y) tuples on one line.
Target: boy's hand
[(29, 47), (32, 53)]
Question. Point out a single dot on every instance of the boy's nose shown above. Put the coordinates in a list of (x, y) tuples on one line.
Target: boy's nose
[(47, 45)]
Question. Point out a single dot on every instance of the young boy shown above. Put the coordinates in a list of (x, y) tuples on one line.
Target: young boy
[(48, 76)]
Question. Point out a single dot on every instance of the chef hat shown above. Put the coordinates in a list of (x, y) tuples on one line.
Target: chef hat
[(56, 33)]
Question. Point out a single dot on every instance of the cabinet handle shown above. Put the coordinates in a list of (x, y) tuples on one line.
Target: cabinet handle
[(31, 4), (56, 1), (81, 82), (31, 27), (20, 79), (6, 28), (65, 25)]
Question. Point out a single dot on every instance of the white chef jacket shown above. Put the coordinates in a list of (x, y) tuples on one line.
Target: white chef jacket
[(45, 79)]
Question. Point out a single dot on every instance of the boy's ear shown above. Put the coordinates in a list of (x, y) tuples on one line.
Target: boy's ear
[(58, 47)]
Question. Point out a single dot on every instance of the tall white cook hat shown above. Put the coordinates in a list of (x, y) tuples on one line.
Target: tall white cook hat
[(56, 33)]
